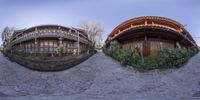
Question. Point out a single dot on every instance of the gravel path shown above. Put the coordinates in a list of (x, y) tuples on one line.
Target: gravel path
[(99, 78)]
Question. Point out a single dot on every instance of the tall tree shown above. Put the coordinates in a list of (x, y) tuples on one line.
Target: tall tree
[(93, 29), (6, 37)]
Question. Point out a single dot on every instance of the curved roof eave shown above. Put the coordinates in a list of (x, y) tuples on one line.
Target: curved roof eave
[(146, 17), (144, 27), (51, 25)]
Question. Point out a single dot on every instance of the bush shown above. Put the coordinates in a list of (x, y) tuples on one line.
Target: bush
[(192, 50), (174, 57), (61, 50), (114, 50), (169, 58), (130, 57), (177, 57)]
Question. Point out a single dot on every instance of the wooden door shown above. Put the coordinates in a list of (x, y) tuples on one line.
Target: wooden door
[(155, 48)]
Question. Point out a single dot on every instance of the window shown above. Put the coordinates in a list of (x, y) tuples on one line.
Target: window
[(45, 49), (41, 44), (156, 46), (46, 43), (41, 50), (65, 44), (50, 43), (55, 44), (51, 49)]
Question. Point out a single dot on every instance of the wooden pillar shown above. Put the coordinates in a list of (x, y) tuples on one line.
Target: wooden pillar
[(36, 46), (131, 25), (47, 47), (180, 30), (145, 46), (145, 23), (152, 23), (119, 31)]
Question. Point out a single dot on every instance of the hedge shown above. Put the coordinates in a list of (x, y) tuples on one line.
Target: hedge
[(169, 58)]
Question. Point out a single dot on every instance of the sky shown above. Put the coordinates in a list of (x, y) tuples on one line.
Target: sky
[(27, 13)]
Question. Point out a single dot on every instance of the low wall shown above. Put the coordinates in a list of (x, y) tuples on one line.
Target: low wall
[(56, 65)]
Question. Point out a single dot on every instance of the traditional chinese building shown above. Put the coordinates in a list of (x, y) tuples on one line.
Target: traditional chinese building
[(46, 39), (151, 33)]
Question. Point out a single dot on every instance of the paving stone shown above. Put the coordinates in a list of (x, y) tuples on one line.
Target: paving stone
[(3, 95), (99, 78)]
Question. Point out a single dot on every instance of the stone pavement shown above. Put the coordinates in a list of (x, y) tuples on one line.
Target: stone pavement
[(99, 78)]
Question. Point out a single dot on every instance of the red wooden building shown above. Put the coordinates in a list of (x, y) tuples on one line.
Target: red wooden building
[(151, 33)]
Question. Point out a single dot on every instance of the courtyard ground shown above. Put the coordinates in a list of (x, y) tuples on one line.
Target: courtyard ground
[(99, 78)]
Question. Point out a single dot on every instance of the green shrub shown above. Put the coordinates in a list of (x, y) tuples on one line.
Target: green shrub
[(169, 58), (61, 50), (114, 50), (173, 57), (129, 57), (177, 57), (192, 50)]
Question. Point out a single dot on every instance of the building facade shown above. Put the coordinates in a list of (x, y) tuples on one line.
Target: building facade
[(151, 34), (46, 39)]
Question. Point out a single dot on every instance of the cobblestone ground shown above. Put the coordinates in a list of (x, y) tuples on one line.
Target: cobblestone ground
[(99, 78)]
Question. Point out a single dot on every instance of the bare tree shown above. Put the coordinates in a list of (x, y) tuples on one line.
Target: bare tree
[(6, 37), (93, 29)]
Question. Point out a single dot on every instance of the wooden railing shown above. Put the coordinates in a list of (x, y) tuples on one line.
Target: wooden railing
[(149, 25), (49, 33)]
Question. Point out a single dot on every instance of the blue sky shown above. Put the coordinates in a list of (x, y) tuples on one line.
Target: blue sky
[(27, 13)]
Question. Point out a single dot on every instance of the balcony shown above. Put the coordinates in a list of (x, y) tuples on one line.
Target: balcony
[(148, 25), (49, 33)]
